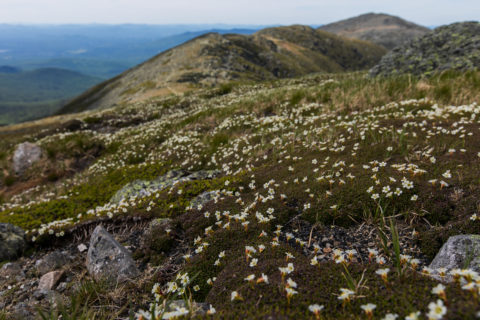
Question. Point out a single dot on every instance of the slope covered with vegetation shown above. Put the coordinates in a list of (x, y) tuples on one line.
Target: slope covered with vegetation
[(214, 59), (325, 180)]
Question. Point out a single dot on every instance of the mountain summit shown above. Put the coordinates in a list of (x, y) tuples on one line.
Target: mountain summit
[(214, 58), (383, 29)]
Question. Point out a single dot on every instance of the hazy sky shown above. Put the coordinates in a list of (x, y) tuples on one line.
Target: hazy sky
[(426, 12)]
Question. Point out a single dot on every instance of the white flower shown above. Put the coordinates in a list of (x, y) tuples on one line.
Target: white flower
[(439, 289), (368, 308), (235, 296), (413, 316), (436, 310), (315, 308)]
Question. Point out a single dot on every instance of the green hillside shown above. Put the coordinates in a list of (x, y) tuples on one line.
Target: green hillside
[(33, 94), (318, 185)]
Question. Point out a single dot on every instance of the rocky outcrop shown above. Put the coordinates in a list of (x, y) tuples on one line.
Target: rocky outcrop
[(26, 154), (109, 260), (452, 47), (143, 188), (12, 241), (462, 251)]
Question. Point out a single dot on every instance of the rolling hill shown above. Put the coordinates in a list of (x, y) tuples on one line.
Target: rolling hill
[(383, 29), (32, 94), (213, 58)]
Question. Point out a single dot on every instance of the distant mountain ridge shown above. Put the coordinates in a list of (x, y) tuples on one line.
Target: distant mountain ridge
[(214, 58), (383, 29)]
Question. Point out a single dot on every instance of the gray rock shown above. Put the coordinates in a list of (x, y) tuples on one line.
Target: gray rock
[(12, 241), (12, 270), (462, 251), (51, 261), (50, 280), (143, 188), (26, 154), (107, 259)]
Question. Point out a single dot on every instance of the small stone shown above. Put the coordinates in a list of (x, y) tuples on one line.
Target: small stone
[(62, 287), (82, 248), (49, 281), (107, 259)]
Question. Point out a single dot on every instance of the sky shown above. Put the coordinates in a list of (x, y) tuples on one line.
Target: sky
[(258, 12)]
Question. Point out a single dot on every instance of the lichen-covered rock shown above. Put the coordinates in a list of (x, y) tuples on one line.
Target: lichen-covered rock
[(12, 241), (109, 260), (25, 155), (452, 47), (143, 188), (462, 251)]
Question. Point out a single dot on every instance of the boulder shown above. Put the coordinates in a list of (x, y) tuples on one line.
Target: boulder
[(462, 251), (12, 241), (51, 261), (25, 155), (109, 260), (49, 280), (143, 188)]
